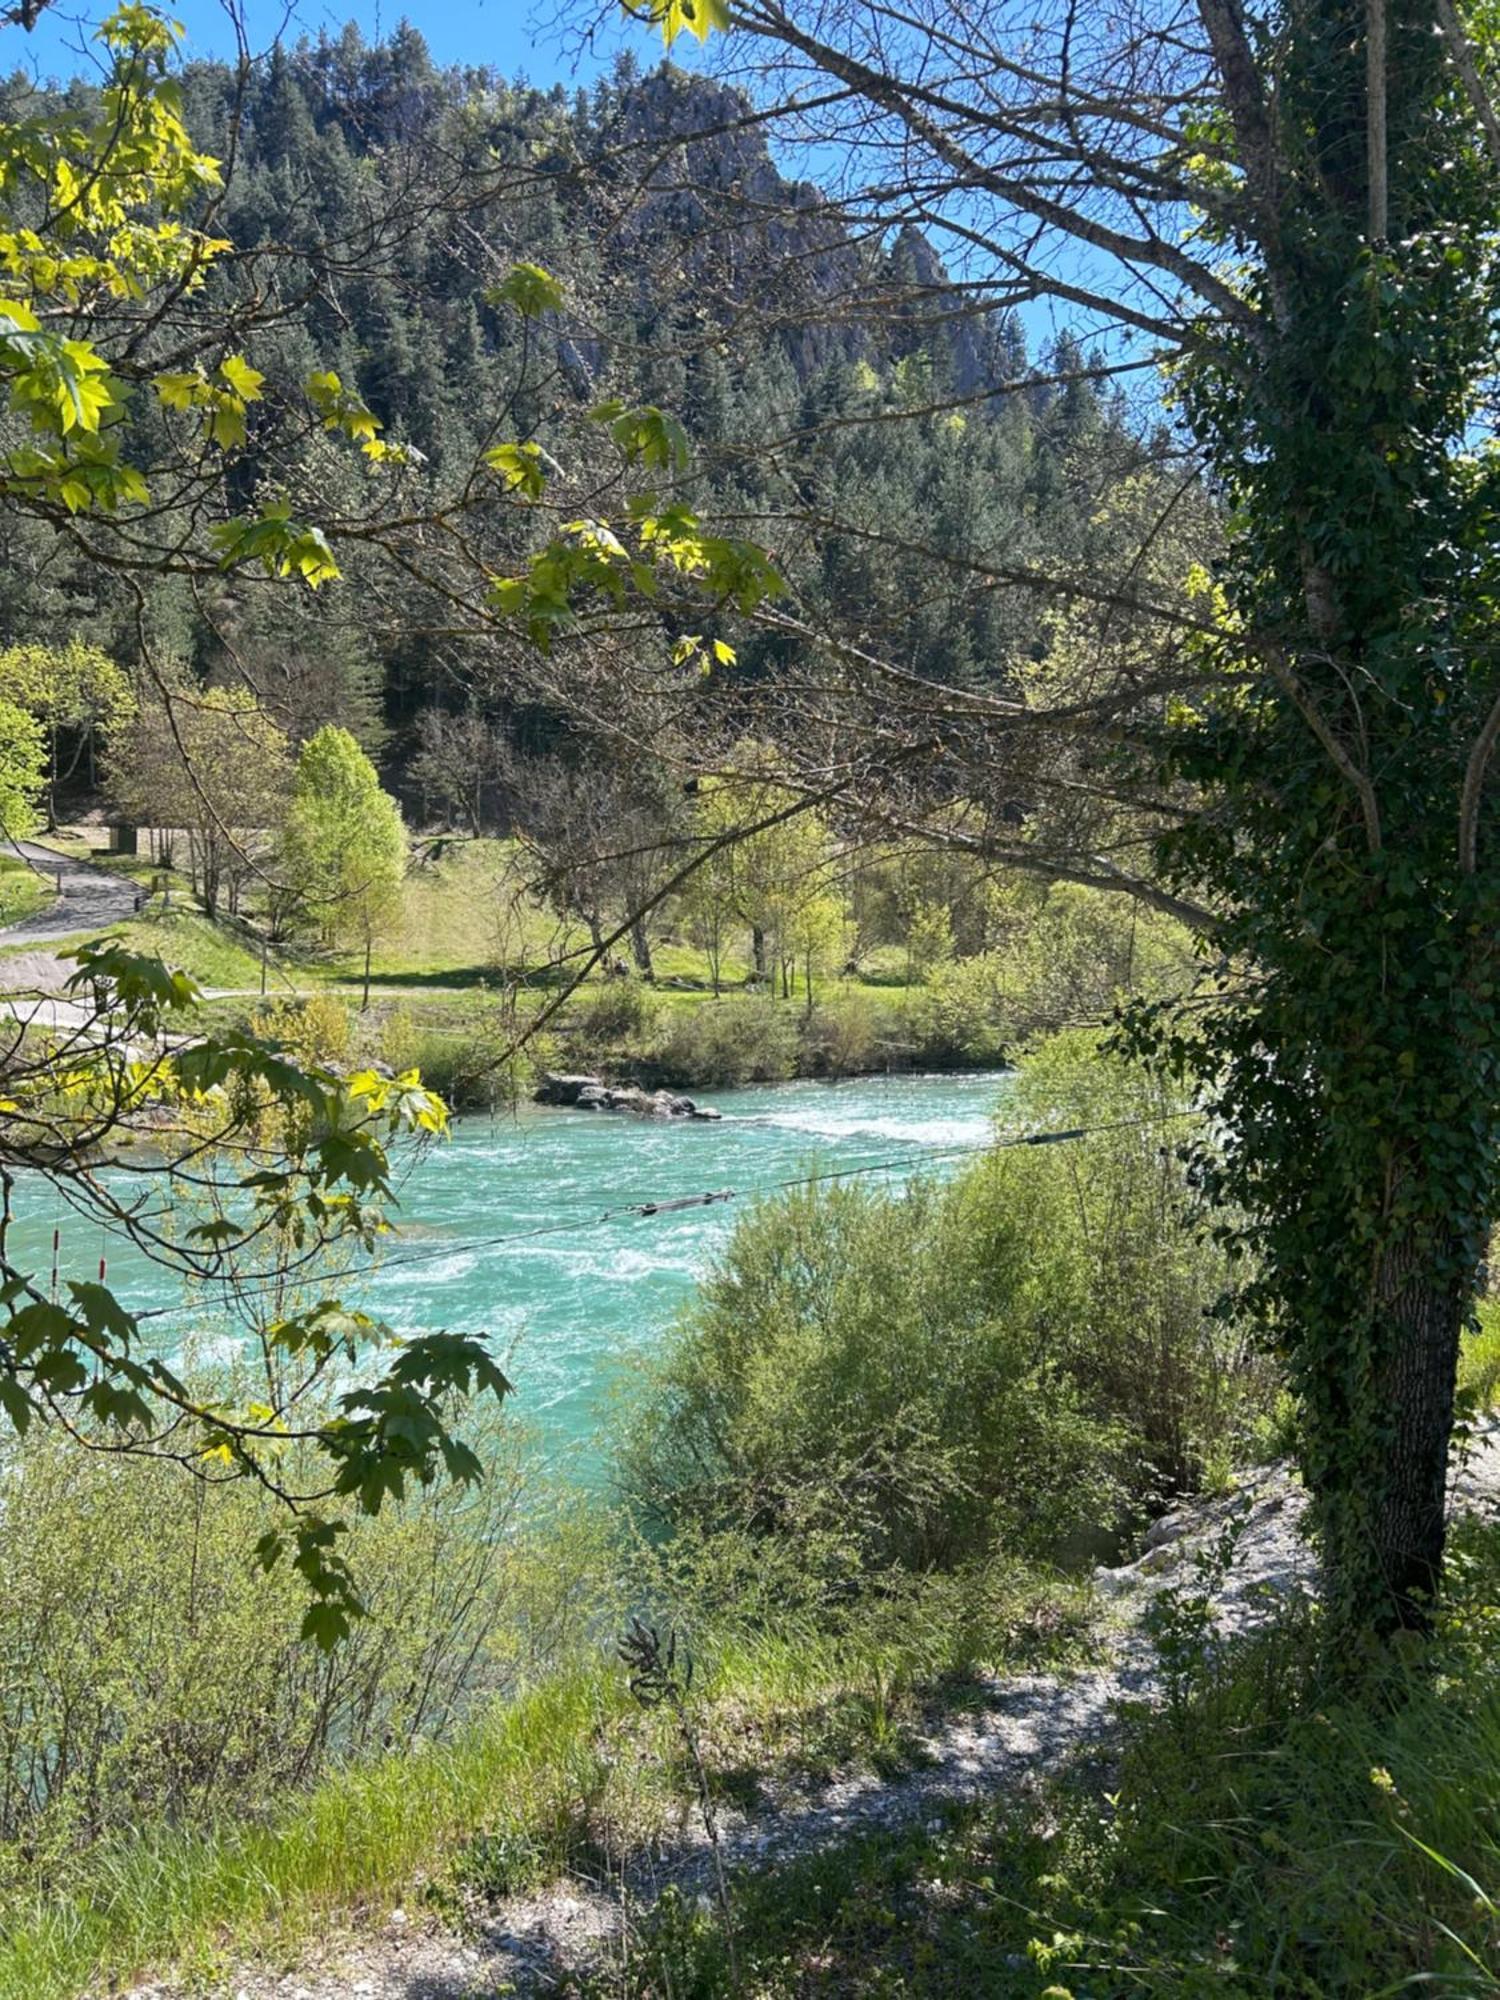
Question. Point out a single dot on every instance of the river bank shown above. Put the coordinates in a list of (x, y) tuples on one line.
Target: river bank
[(526, 1225), (1015, 1733)]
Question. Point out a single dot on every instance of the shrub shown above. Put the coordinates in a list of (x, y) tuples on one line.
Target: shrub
[(847, 1036), (469, 1057), (1137, 1285), (724, 1042), (860, 1368), (998, 1362), (164, 1674), (612, 1015), (962, 1015), (314, 1026)]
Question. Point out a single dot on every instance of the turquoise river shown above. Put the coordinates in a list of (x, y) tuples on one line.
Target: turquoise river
[(501, 1229)]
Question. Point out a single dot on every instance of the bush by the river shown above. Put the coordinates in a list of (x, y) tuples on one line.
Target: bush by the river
[(718, 1044), (1003, 1362), (857, 1365), (155, 1672)]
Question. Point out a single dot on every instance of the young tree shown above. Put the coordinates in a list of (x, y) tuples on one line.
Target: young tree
[(929, 936), (815, 934), (769, 860), (23, 765), (75, 690), (209, 761), (343, 845), (707, 900), (1294, 208)]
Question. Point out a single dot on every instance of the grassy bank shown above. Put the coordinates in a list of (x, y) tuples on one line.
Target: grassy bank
[(572, 1772), (471, 958), (1266, 1835), (22, 890)]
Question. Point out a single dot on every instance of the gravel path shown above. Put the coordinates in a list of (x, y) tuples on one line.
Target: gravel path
[(1023, 1727), (88, 898)]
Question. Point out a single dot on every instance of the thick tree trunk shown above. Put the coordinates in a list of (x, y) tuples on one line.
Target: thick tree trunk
[(1426, 1320), (640, 946), (1382, 1497), (758, 950)]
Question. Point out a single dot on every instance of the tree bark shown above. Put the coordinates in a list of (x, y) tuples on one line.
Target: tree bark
[(640, 946), (1383, 1497), (1375, 120), (1426, 1321)]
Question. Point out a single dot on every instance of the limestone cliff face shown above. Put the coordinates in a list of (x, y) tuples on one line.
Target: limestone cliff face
[(706, 205)]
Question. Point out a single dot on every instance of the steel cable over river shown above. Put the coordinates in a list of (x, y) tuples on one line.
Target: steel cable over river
[(571, 1238)]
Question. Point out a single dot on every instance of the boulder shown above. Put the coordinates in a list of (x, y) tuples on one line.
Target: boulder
[(630, 1097), (591, 1093), (564, 1089)]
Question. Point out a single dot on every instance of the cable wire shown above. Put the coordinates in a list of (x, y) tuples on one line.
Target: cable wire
[(713, 1197)]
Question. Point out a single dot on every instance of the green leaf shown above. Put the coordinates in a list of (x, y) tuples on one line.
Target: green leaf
[(520, 466), (530, 290), (245, 381), (327, 1624), (699, 18), (15, 1403)]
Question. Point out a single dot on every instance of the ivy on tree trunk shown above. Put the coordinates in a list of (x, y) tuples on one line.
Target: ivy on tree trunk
[(1352, 1060)]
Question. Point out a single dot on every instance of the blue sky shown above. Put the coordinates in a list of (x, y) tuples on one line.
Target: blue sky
[(516, 36)]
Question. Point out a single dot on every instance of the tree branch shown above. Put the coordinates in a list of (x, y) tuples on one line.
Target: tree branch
[(1461, 54), (1473, 789)]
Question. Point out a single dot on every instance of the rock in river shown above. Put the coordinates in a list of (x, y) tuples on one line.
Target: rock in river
[(591, 1093)]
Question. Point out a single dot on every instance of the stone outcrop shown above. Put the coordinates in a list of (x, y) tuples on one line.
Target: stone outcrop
[(591, 1093)]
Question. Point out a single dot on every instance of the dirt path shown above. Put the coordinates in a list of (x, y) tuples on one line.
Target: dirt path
[(1021, 1727), (88, 898)]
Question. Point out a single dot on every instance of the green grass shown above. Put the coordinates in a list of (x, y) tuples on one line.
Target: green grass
[(1266, 1836), (69, 842), (563, 1776), (204, 950), (468, 912), (22, 891), (1479, 1359), (356, 1843)]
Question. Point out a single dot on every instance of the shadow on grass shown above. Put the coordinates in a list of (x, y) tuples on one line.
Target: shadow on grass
[(538, 978), (464, 978)]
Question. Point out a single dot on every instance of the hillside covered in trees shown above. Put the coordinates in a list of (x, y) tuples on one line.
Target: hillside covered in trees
[(533, 590), (698, 280)]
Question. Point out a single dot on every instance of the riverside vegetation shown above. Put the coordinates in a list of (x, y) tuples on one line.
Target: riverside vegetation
[(896, 614), (929, 967), (874, 1459)]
